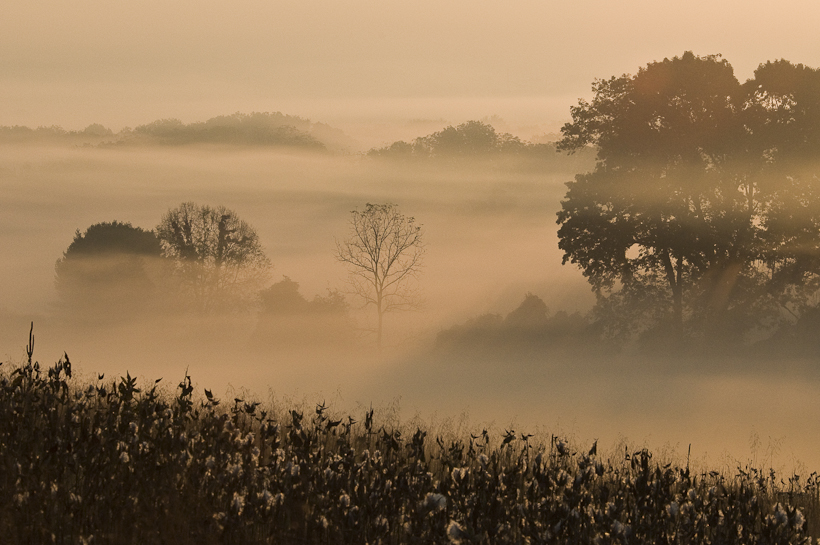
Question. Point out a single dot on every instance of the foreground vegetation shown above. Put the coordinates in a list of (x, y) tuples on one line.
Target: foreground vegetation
[(114, 462)]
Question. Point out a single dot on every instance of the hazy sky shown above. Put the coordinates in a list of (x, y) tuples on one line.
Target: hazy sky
[(366, 66), (128, 62)]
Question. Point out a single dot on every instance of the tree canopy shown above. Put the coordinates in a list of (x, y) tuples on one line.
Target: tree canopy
[(218, 258), (702, 202), (110, 269)]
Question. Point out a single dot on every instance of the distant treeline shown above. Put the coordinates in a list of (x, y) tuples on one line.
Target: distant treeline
[(254, 129), (468, 141), (471, 140), (19, 133)]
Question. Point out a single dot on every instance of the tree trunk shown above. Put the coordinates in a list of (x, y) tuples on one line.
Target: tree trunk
[(380, 313), (379, 330), (675, 285)]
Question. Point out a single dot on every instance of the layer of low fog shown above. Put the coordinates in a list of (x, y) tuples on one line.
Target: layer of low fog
[(490, 236)]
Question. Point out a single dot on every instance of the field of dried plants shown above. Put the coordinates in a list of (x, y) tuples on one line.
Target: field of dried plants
[(114, 461)]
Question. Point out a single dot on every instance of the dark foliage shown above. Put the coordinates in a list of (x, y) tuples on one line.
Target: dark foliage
[(702, 211), (218, 260), (111, 265), (113, 238)]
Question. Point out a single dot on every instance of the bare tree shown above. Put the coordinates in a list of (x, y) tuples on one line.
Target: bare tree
[(384, 250), (218, 257)]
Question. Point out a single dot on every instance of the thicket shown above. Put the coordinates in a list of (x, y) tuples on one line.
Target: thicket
[(113, 462)]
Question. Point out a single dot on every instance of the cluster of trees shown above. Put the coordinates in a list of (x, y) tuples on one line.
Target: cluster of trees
[(110, 265), (470, 140), (199, 258), (257, 129), (701, 218), (217, 257), (207, 260)]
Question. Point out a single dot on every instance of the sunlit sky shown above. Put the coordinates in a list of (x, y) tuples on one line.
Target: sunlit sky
[(125, 63)]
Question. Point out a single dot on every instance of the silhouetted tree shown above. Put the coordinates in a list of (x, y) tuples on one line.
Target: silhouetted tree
[(109, 271), (218, 258), (383, 250), (684, 199)]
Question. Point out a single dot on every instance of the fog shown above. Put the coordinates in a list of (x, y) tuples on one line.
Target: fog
[(375, 73), (490, 239)]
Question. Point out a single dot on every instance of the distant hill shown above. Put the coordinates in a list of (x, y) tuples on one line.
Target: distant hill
[(255, 129)]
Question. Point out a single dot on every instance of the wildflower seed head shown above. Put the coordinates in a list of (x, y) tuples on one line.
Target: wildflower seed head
[(455, 533), (435, 501), (780, 515), (238, 503), (799, 519), (266, 498)]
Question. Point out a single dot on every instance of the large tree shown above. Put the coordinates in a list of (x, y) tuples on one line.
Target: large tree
[(218, 258), (383, 250), (694, 171)]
